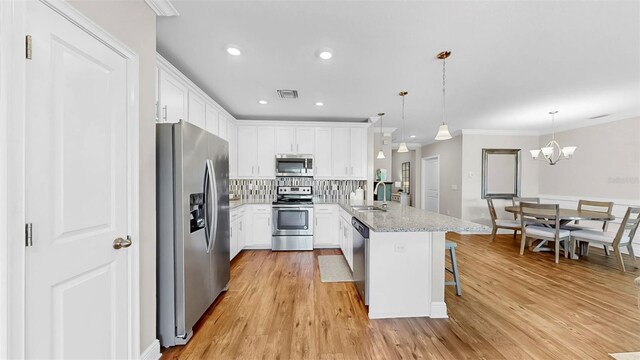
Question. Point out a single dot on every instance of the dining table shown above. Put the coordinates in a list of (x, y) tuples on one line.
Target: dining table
[(566, 216)]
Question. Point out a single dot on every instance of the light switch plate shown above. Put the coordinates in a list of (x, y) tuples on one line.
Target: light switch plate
[(454, 187)]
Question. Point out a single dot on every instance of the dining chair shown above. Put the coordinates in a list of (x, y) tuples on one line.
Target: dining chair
[(545, 227), (500, 223), (516, 202), (594, 206), (616, 240)]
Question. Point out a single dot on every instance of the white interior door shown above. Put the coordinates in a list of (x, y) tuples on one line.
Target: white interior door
[(77, 283), (431, 176)]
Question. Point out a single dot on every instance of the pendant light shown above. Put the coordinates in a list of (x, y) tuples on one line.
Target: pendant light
[(381, 153), (443, 130), (403, 145)]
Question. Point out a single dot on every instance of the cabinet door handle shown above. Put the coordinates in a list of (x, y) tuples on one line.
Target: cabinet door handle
[(291, 147), (352, 170), (297, 147), (240, 225), (346, 170), (258, 169), (165, 113)]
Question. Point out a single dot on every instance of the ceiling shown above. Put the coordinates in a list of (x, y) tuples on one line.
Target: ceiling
[(511, 63)]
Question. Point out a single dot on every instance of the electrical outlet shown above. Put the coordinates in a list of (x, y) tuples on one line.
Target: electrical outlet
[(400, 248)]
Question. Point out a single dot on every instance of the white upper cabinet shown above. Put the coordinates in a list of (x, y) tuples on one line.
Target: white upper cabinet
[(172, 97), (233, 150), (266, 166), (358, 153), (247, 151), (322, 167), (197, 110), (349, 153), (294, 140), (222, 127), (305, 139), (256, 152), (211, 119), (285, 140), (340, 149)]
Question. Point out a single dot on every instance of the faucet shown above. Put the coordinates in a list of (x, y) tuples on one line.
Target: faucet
[(375, 190)]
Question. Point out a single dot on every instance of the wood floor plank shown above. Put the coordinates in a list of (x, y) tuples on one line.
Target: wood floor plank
[(512, 307)]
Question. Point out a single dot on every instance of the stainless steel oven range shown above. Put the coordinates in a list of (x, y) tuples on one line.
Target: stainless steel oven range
[(292, 225)]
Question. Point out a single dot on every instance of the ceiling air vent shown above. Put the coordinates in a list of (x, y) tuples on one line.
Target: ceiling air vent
[(288, 94)]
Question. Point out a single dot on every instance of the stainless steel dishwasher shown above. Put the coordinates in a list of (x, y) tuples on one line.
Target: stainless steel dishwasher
[(361, 258)]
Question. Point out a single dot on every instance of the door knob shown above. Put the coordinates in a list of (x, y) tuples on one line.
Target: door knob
[(121, 243)]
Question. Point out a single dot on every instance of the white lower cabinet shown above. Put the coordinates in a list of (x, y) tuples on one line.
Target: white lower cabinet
[(325, 232), (237, 232), (259, 227), (346, 236)]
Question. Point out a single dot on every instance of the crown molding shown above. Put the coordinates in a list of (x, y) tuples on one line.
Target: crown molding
[(162, 7), (386, 131), (500, 132)]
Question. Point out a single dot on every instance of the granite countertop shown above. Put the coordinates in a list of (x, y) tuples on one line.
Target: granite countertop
[(399, 218), (236, 203)]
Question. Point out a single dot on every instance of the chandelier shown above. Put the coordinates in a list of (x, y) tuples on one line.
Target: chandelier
[(553, 152)]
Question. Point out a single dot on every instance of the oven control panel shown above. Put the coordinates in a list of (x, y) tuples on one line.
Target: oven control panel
[(294, 190)]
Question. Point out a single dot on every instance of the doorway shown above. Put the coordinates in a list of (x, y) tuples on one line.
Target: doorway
[(431, 183)]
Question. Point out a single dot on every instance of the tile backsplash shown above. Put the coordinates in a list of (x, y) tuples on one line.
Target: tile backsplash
[(322, 189)]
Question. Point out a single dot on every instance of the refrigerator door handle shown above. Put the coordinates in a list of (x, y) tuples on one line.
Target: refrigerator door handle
[(207, 235), (214, 206)]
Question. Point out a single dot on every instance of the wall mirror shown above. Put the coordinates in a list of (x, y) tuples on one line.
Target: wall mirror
[(500, 173)]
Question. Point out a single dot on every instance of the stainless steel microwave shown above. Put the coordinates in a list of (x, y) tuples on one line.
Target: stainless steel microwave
[(294, 165)]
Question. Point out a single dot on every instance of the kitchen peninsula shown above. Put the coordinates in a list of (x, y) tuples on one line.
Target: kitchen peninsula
[(406, 258)]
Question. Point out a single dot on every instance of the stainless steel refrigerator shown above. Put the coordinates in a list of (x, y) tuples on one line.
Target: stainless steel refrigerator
[(192, 168)]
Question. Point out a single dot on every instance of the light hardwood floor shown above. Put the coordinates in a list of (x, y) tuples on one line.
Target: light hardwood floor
[(512, 307)]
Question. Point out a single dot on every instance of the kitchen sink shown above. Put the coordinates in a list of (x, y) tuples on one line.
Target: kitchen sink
[(367, 208)]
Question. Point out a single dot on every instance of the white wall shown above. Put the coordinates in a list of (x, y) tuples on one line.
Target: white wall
[(134, 23), (606, 163), (474, 208), (450, 152)]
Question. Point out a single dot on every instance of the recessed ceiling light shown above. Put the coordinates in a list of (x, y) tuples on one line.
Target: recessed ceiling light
[(262, 102), (325, 53), (412, 136), (319, 103), (233, 50)]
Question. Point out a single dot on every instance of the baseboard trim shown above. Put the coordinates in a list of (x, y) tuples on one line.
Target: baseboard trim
[(152, 352), (326, 246), (439, 310)]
